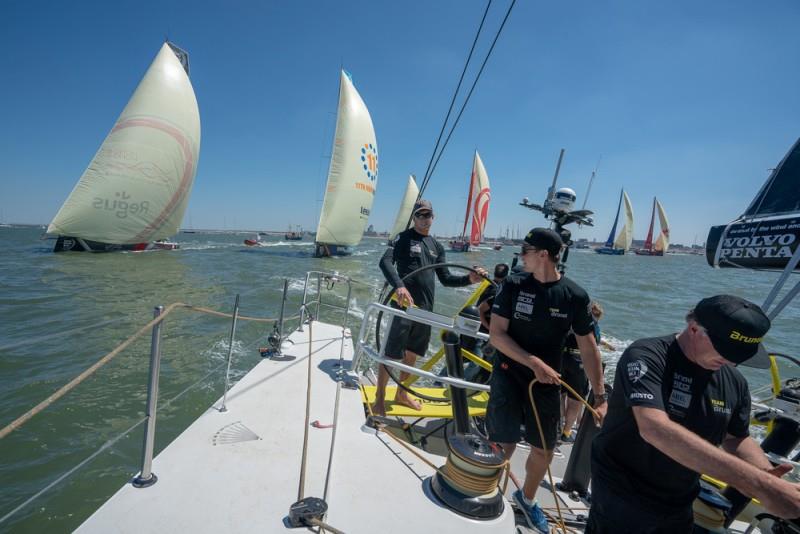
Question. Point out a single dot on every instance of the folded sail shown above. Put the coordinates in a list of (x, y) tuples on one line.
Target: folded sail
[(481, 195), (781, 193), (137, 186), (767, 235), (625, 236), (662, 241), (404, 213), (353, 171)]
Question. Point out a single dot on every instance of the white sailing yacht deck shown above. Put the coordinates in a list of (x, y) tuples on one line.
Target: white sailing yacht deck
[(218, 477)]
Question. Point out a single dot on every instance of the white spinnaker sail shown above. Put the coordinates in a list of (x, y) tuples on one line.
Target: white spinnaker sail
[(353, 172), (480, 203), (404, 213), (662, 242), (625, 236), (137, 186)]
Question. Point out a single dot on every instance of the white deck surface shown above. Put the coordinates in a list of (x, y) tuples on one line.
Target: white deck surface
[(248, 486)]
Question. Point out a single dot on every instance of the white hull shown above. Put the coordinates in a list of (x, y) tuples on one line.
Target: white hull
[(375, 484)]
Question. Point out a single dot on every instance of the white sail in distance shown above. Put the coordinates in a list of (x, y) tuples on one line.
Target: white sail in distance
[(662, 242), (137, 186), (481, 197), (353, 172), (625, 236), (406, 206)]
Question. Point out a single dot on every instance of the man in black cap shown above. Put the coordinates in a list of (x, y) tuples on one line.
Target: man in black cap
[(531, 317), (407, 340), (676, 399)]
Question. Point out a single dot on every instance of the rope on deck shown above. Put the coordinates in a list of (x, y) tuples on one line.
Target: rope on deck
[(72, 384)]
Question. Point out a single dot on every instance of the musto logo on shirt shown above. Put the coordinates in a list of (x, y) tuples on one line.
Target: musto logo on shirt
[(636, 370), (555, 312)]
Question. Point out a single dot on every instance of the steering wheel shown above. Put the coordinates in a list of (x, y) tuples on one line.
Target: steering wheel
[(388, 299)]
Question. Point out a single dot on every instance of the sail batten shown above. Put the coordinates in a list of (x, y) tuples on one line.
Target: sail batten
[(137, 186), (353, 172)]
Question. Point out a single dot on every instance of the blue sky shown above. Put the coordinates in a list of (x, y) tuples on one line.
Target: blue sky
[(690, 101)]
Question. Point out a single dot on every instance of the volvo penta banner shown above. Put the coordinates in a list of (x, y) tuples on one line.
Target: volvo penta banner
[(766, 243)]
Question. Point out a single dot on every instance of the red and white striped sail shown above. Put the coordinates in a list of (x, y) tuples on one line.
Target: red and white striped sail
[(480, 194)]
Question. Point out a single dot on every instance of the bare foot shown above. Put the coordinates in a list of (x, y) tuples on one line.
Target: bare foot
[(406, 400), (379, 408)]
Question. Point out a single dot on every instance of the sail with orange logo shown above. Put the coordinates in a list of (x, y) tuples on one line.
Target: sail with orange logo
[(136, 188), (352, 175)]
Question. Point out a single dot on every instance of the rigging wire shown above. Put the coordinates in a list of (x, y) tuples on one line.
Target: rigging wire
[(469, 95), (434, 160), (455, 93), (428, 176)]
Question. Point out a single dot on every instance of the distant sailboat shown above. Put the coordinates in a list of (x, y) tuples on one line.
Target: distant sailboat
[(294, 235), (133, 194), (352, 176), (406, 205), (478, 205), (623, 241), (661, 244)]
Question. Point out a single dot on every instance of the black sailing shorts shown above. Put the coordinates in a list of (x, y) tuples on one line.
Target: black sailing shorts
[(407, 335), (509, 407), (574, 375)]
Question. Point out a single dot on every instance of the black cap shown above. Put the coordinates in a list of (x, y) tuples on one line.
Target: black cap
[(545, 239), (422, 204), (736, 328)]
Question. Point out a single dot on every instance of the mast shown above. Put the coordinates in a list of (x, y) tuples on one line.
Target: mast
[(648, 242)]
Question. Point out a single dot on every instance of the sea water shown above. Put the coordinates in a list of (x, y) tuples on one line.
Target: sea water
[(60, 313)]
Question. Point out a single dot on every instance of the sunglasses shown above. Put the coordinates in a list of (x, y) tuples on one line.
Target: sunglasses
[(528, 248), (426, 215)]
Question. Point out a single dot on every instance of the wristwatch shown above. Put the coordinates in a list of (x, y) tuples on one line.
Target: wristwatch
[(603, 395)]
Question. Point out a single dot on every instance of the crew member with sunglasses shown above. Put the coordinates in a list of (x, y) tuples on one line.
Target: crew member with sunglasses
[(531, 317), (407, 340)]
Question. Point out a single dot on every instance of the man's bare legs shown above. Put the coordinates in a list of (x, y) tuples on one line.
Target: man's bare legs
[(535, 467), (402, 396), (571, 415)]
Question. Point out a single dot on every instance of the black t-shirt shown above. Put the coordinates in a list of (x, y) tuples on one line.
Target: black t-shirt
[(410, 251), (540, 315), (487, 296), (655, 373)]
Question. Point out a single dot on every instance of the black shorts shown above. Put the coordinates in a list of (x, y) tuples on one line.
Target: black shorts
[(572, 373), (509, 408), (407, 335), (610, 514)]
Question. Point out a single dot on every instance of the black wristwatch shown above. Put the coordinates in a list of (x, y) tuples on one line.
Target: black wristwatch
[(603, 395)]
